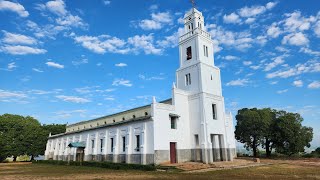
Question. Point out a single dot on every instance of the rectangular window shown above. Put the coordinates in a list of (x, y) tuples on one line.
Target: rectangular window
[(188, 79), (101, 145), (214, 111), (196, 138), (111, 142), (137, 143), (189, 53), (92, 143), (205, 50), (123, 144), (173, 121)]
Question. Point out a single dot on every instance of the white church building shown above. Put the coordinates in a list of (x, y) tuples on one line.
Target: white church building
[(192, 126)]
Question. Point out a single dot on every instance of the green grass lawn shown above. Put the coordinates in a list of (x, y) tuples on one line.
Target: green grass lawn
[(46, 171)]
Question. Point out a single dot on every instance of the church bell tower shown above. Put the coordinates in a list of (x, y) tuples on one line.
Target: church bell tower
[(198, 77), (197, 72)]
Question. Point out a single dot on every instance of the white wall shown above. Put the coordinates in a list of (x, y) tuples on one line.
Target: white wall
[(142, 128)]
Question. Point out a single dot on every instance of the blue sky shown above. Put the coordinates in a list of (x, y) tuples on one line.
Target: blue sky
[(67, 61)]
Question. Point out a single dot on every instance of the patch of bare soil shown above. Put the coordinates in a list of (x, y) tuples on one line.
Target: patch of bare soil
[(191, 166)]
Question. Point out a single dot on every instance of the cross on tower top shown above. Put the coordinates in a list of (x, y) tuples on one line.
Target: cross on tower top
[(193, 3)]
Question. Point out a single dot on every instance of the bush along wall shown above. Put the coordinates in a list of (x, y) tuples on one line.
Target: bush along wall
[(107, 165)]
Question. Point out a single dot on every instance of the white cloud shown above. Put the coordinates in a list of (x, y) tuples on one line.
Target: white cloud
[(148, 24), (297, 39), (153, 7), (317, 28), (247, 63), (37, 70), (102, 44), (143, 77), (276, 61), (11, 66), (232, 18), (282, 49), (64, 18), (80, 61), (308, 67), (71, 20), (163, 17), (121, 82), (109, 90), (298, 83), (73, 99), (251, 11), (11, 94), (309, 51), (271, 5), (314, 85), (230, 58), (172, 40), (57, 7), (237, 40), (273, 82), (21, 50), (273, 31), (109, 98), (295, 22), (157, 21), (55, 65), (144, 43), (282, 91), (14, 7), (105, 2), (238, 82), (11, 38), (121, 65), (68, 114), (249, 20), (255, 67)]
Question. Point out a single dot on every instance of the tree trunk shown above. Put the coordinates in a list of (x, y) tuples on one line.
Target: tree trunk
[(254, 147), (268, 151), (14, 158), (32, 158)]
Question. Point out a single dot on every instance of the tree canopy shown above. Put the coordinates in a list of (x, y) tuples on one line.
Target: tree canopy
[(21, 135), (270, 129)]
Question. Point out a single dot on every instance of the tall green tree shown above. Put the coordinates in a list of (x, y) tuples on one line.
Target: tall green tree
[(54, 128), (21, 135), (250, 129), (272, 129), (289, 136)]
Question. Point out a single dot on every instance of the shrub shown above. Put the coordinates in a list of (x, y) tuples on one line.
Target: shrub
[(107, 165)]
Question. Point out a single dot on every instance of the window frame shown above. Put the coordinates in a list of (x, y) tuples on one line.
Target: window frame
[(123, 143), (173, 122), (138, 143), (111, 144), (189, 53), (214, 112)]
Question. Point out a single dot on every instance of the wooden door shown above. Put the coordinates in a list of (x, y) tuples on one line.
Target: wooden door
[(173, 152)]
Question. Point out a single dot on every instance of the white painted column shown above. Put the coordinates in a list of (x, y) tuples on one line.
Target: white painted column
[(129, 145), (115, 146), (96, 144), (143, 144), (87, 149), (106, 138), (73, 150)]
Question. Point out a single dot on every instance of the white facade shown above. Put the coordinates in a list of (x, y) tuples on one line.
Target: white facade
[(192, 126)]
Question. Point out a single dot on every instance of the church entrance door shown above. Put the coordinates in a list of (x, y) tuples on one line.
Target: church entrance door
[(173, 152)]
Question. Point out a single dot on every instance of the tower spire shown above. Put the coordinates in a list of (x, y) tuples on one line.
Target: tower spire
[(193, 3)]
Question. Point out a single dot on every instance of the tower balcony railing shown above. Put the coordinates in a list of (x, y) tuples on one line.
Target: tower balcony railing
[(193, 32)]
